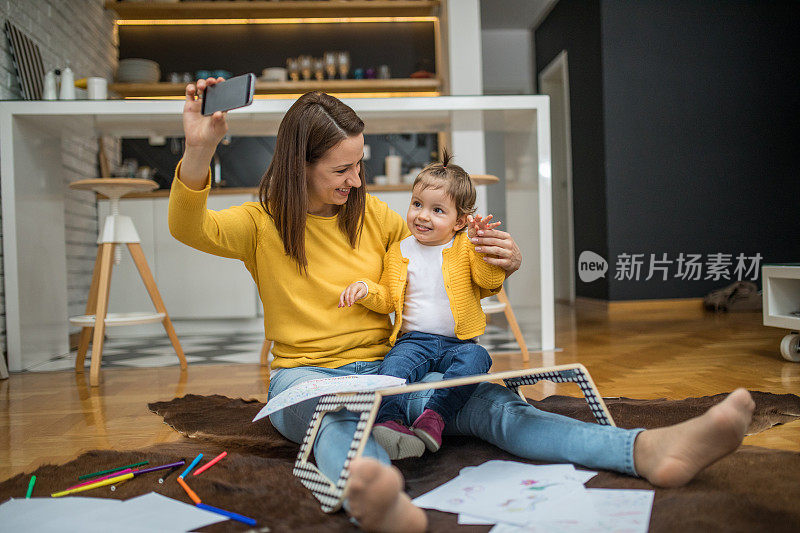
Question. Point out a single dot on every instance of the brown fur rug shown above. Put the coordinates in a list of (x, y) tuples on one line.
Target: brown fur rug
[(754, 489)]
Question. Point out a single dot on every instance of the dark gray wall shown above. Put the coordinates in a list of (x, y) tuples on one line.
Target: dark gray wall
[(700, 107), (574, 26), (701, 115)]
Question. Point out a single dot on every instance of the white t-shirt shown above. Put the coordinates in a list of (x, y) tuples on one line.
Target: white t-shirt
[(426, 307)]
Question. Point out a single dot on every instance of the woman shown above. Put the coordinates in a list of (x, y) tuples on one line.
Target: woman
[(315, 230)]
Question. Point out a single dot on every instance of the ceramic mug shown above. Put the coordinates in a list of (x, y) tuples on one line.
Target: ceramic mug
[(97, 88)]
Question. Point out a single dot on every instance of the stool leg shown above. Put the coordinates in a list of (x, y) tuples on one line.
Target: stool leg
[(512, 321), (265, 352), (103, 286), (141, 263), (91, 304)]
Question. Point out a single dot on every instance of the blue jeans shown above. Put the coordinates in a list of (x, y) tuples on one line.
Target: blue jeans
[(415, 354), (493, 413)]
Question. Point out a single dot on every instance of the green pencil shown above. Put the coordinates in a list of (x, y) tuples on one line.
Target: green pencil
[(31, 483), (100, 473)]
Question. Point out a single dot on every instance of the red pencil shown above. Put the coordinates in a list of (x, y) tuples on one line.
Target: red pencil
[(209, 464)]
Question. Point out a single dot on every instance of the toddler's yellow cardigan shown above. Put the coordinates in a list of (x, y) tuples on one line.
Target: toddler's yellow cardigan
[(467, 279)]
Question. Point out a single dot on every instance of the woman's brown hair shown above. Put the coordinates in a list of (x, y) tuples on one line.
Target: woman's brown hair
[(314, 124)]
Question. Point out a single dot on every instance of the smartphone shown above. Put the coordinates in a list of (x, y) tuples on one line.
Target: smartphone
[(229, 94)]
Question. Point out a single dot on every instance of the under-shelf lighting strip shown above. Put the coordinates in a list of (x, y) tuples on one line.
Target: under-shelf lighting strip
[(316, 20)]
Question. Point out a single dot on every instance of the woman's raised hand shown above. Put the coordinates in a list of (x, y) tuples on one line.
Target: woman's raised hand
[(202, 132)]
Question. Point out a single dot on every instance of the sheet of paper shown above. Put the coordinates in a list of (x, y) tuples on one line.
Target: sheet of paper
[(47, 515), (151, 512), (469, 520), (156, 512), (618, 511), (512, 492), (315, 388), (492, 471), (498, 470)]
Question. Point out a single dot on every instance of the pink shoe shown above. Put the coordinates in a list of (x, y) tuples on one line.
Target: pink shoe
[(398, 440), (428, 427)]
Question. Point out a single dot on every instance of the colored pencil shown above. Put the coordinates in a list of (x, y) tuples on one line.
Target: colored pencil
[(109, 481), (31, 483), (195, 498), (161, 467), (107, 476), (100, 473), (192, 465), (172, 470), (209, 464), (229, 514)]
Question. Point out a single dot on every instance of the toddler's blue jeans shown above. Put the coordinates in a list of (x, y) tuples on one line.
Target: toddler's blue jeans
[(415, 354)]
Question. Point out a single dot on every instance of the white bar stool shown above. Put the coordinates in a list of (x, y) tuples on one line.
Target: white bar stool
[(118, 229)]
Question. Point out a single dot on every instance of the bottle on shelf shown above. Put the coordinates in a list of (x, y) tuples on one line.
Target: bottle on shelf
[(67, 84)]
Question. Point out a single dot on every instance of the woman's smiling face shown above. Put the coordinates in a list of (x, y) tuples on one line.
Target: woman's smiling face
[(432, 216), (333, 175)]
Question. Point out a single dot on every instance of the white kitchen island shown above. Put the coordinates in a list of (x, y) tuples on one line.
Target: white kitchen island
[(508, 136)]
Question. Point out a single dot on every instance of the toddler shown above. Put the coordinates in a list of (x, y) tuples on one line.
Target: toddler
[(433, 280)]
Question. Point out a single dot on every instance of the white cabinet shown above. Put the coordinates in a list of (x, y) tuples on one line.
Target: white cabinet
[(193, 284)]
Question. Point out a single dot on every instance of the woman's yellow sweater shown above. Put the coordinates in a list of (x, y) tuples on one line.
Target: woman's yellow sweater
[(467, 279), (300, 310)]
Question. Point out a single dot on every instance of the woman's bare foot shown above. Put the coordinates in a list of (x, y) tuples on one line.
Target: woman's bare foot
[(673, 455), (376, 498)]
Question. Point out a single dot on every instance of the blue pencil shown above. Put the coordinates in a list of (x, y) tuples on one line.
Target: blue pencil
[(229, 514), (192, 465)]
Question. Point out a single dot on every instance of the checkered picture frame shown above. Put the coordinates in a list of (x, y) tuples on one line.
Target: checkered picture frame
[(577, 375), (331, 495)]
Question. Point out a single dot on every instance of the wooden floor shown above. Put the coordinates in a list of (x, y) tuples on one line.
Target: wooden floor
[(637, 351)]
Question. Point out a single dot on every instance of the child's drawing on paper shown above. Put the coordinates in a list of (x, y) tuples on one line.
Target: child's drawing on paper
[(469, 493)]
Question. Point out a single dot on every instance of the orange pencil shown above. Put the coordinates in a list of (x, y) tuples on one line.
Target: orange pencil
[(189, 491), (209, 464)]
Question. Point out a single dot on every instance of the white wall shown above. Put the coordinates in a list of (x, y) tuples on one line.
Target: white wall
[(462, 36), (82, 33), (507, 61)]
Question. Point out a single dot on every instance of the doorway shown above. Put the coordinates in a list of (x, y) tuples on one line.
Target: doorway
[(554, 82)]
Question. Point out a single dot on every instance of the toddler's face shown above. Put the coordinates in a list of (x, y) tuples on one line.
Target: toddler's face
[(432, 217)]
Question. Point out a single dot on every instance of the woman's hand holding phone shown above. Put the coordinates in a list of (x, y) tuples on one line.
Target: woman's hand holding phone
[(202, 135), (199, 130)]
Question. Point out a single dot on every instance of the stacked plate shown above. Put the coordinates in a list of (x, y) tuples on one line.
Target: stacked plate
[(138, 71)]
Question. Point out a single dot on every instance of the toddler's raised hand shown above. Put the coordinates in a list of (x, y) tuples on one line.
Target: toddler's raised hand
[(353, 293), (479, 223)]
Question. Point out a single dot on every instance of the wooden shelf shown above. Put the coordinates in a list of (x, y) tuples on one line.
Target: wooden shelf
[(397, 85), (283, 9)]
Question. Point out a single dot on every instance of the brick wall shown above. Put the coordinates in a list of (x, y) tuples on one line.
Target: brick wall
[(83, 34)]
